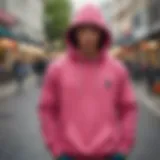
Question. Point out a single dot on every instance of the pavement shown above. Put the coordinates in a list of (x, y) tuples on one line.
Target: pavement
[(10, 88), (20, 137), (151, 101)]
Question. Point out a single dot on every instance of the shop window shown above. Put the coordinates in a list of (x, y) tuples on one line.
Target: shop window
[(137, 21)]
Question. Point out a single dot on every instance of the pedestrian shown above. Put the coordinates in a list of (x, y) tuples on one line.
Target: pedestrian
[(19, 72), (87, 107), (150, 77), (39, 67)]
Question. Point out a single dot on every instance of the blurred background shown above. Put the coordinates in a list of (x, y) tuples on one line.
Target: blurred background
[(32, 34)]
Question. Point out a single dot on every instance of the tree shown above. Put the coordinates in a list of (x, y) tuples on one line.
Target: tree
[(57, 14)]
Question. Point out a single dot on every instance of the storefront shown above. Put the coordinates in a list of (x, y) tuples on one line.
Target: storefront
[(8, 45), (149, 52), (30, 52), (8, 50)]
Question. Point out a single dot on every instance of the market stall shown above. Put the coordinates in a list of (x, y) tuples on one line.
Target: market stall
[(150, 58), (8, 50), (154, 57), (30, 53)]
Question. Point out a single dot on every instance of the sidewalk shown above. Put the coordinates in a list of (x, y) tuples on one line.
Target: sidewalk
[(150, 101), (10, 87), (7, 89)]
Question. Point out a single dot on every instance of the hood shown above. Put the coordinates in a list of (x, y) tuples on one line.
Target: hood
[(89, 15)]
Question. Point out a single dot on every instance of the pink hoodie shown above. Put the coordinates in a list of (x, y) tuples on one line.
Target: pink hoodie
[(88, 107)]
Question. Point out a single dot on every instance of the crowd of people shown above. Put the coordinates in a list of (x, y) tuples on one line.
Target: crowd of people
[(21, 70), (147, 73), (142, 64)]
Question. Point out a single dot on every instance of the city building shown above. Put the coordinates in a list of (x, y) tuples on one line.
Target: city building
[(122, 19), (107, 8), (140, 20), (119, 15), (6, 21), (130, 20), (29, 16), (154, 18), (21, 24)]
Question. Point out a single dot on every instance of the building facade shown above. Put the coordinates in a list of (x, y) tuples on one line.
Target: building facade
[(135, 19), (130, 19), (140, 20), (119, 15), (29, 15), (107, 7), (154, 17)]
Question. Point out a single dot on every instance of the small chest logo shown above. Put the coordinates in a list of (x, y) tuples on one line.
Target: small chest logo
[(107, 84)]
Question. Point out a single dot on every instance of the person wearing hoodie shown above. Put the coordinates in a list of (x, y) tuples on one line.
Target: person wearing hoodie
[(87, 107)]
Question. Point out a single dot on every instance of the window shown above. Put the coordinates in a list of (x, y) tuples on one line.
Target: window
[(154, 11), (137, 20)]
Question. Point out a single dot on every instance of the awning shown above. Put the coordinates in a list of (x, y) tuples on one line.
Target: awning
[(6, 17), (31, 49), (8, 44), (4, 32)]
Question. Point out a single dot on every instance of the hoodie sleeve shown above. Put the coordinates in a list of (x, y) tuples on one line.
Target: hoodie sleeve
[(48, 110), (127, 114)]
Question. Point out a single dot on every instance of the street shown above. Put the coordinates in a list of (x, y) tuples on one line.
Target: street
[(20, 137)]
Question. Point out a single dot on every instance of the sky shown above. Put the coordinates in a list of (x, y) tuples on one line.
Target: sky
[(78, 3)]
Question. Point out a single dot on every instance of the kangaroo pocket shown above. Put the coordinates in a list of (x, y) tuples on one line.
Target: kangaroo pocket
[(101, 142)]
